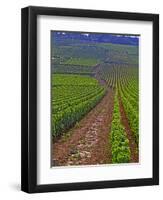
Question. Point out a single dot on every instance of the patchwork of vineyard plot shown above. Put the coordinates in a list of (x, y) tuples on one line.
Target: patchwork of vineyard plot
[(77, 59), (72, 97)]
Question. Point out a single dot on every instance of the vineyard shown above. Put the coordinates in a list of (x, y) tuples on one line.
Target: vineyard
[(72, 97), (94, 103), (124, 80)]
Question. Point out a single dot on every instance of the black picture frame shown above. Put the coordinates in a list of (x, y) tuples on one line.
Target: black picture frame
[(29, 99)]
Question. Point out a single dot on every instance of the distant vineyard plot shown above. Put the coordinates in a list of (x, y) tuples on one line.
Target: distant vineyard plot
[(82, 61)]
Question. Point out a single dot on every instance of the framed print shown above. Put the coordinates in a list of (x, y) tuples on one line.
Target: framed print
[(90, 99)]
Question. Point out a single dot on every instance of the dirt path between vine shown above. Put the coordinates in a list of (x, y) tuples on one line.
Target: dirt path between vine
[(88, 142), (132, 144)]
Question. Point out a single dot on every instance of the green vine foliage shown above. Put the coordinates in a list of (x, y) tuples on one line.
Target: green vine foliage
[(120, 143)]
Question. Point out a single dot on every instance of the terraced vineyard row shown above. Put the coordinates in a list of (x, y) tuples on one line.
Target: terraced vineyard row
[(72, 97)]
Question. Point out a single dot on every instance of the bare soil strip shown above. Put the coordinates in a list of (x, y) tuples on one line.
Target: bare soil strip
[(88, 142), (132, 144)]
